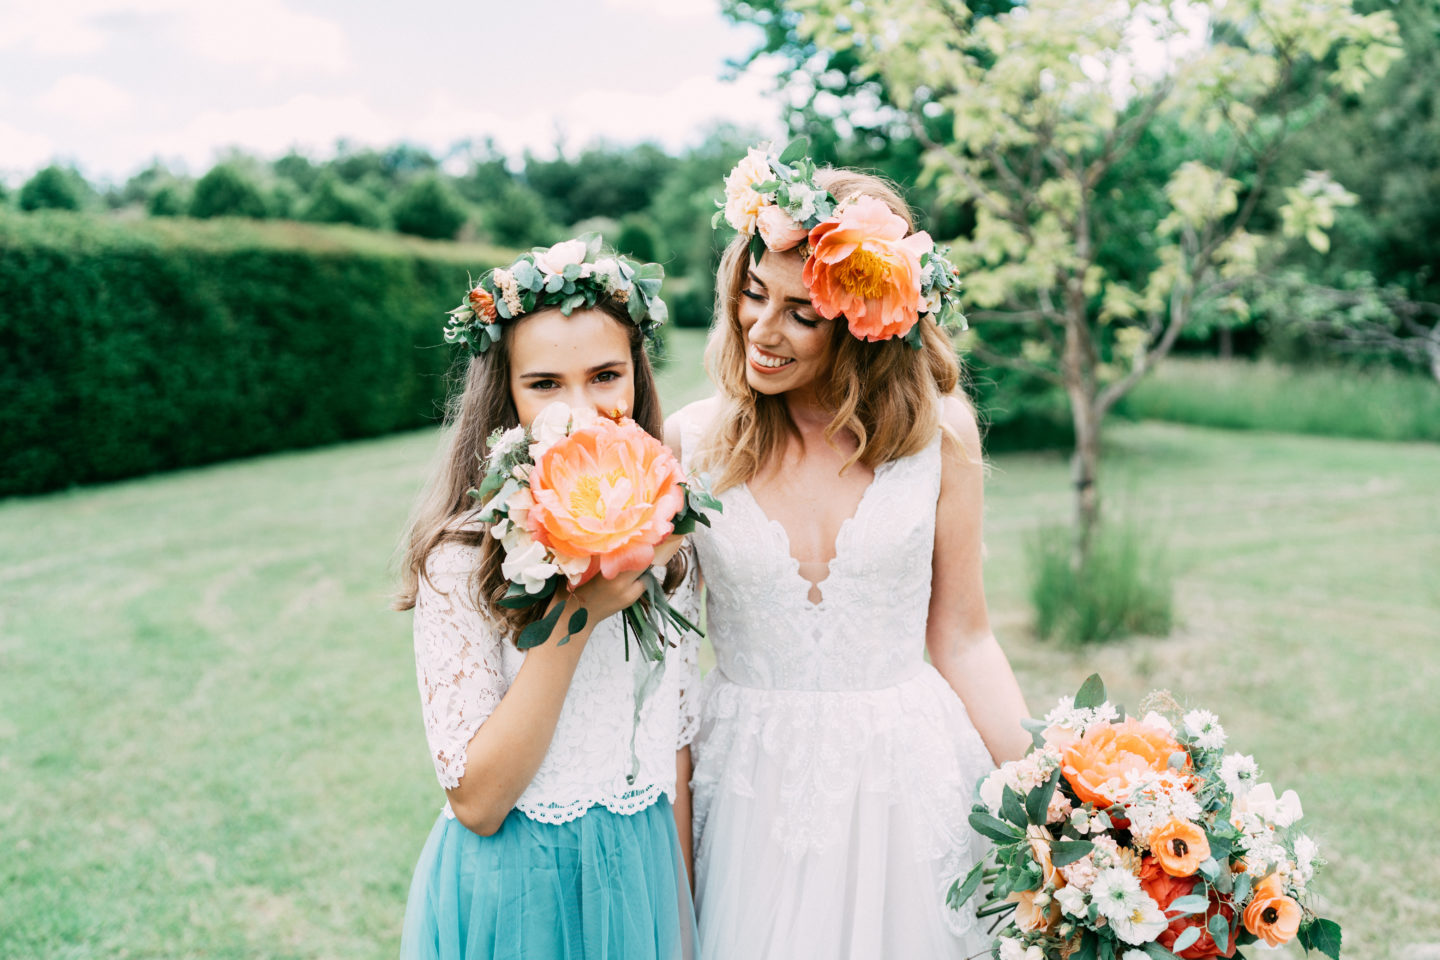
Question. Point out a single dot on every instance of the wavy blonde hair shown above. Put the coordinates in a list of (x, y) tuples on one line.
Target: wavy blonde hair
[(445, 510), (883, 394)]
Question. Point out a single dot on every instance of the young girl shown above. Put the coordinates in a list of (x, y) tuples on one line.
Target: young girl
[(556, 841), (834, 765)]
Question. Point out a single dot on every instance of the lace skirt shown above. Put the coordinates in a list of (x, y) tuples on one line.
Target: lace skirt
[(605, 886), (831, 824)]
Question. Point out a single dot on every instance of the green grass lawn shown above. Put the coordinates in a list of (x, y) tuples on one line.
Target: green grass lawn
[(210, 741)]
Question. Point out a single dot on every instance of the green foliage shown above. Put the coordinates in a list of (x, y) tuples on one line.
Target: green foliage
[(1124, 588), (334, 201), (228, 190), (601, 181), (514, 215), (430, 208), (54, 188), (168, 200), (126, 349), (1378, 404), (692, 300), (637, 238)]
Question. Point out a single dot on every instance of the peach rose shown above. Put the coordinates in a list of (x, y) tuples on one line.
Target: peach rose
[(1031, 917), (863, 266), (742, 203), (1165, 890), (482, 304), (778, 230), (560, 256), (1271, 915), (607, 492), (1096, 765), (1180, 847)]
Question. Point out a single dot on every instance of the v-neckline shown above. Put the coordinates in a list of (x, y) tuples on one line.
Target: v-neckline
[(818, 585)]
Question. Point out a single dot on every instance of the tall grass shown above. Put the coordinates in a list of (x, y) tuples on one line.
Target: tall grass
[(1241, 395), (1123, 589)]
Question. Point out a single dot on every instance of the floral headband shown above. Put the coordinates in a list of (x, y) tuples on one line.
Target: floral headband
[(859, 263), (570, 275)]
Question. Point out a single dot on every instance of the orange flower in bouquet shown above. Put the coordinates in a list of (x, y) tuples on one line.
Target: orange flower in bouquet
[(1273, 916), (1165, 889), (607, 492), (1097, 764), (1180, 847), (863, 266)]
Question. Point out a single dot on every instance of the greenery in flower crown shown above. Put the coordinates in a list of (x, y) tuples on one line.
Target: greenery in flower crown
[(572, 275)]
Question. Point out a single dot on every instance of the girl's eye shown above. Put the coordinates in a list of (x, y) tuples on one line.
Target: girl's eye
[(753, 294), (805, 321), (605, 376), (543, 385)]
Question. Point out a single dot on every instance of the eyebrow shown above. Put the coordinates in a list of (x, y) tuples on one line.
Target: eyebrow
[(803, 301), (599, 367)]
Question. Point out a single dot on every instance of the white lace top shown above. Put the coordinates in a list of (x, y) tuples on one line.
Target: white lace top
[(464, 666)]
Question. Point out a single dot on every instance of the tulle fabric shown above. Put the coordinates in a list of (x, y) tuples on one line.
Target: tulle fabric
[(605, 886)]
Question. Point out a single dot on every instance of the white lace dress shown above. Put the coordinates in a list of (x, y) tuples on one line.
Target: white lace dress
[(834, 767)]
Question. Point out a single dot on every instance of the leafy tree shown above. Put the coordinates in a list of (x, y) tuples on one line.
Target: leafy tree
[(602, 181), (299, 170), (514, 216), (168, 200), (637, 238), (1046, 102), (429, 207), (228, 190), (54, 188), (334, 201)]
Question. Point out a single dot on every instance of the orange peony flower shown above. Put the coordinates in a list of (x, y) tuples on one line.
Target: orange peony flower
[(1030, 917), (1097, 763), (607, 492), (1180, 847), (1271, 915), (1165, 890), (483, 305), (863, 266)]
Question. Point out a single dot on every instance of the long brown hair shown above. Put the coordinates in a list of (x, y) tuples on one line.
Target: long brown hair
[(445, 510), (884, 394)]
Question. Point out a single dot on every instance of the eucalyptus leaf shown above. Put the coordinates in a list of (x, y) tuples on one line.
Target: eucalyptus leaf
[(539, 631), (795, 150), (994, 828), (1091, 694), (1065, 852), (1322, 935), (578, 619), (1186, 939), (1011, 808), (1037, 804), (1184, 906), (960, 892), (1219, 929)]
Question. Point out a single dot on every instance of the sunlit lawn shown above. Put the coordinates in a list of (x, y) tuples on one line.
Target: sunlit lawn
[(210, 742)]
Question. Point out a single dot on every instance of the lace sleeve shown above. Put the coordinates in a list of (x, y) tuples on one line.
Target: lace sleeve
[(457, 660), (686, 599)]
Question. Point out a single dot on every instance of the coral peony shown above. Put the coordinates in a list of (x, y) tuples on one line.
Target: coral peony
[(607, 492), (863, 266), (482, 304), (1180, 847), (1097, 766), (1165, 890), (1271, 915)]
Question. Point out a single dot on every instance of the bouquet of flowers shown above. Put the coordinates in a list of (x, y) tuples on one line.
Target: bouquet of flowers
[(1140, 838), (576, 495)]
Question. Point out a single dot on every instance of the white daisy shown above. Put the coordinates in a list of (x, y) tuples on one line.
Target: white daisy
[(1238, 772), (1141, 925), (1117, 894), (1071, 900), (1205, 727)]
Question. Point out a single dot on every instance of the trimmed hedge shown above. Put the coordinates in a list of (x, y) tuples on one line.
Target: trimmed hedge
[(127, 348)]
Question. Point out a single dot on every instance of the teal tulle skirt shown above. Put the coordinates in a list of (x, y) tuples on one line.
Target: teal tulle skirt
[(603, 887)]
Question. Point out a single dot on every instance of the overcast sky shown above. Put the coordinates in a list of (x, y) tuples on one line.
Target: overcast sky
[(110, 84)]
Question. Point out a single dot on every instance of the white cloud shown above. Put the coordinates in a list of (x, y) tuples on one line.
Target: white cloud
[(666, 9), (306, 121), (266, 33), (86, 99), (21, 152)]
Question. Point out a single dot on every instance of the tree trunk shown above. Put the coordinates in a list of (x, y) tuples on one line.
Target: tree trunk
[(1084, 466), (1227, 343)]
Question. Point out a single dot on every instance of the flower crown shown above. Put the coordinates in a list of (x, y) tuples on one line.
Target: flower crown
[(859, 262), (570, 275)]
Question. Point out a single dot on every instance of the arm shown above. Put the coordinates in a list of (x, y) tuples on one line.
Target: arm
[(488, 745), (683, 814), (958, 637)]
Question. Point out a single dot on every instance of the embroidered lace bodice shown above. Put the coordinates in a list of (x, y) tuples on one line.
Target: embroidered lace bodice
[(464, 666), (765, 630)]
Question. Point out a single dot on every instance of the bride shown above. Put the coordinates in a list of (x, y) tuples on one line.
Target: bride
[(835, 767)]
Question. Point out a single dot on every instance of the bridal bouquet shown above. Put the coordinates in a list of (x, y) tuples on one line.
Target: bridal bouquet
[(577, 495), (1140, 838)]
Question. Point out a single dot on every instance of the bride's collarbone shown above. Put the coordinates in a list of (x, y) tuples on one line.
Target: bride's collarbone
[(811, 500)]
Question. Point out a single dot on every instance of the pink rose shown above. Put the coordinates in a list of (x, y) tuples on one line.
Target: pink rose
[(778, 230)]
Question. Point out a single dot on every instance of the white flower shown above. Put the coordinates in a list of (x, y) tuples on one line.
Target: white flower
[(560, 256), (992, 788), (1134, 955), (1105, 713), (528, 567), (1261, 801), (1141, 925), (802, 202), (1116, 893), (1011, 949), (742, 204), (1071, 900), (1034, 952), (933, 302), (1205, 727), (1307, 852), (608, 269), (505, 443), (1238, 772), (552, 425), (1153, 719)]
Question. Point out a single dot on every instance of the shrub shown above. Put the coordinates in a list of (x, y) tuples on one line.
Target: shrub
[(227, 191), (1124, 589), (333, 201), (691, 301), (127, 348), (637, 239), (430, 208), (514, 215), (167, 201), (53, 188)]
